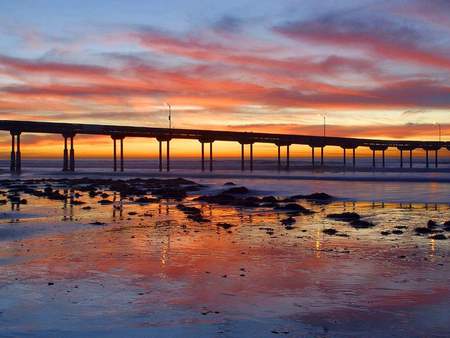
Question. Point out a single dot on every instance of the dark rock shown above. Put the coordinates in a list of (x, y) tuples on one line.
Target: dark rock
[(198, 219), (294, 208), (77, 202), (145, 200), (345, 216), (170, 193), (330, 231), (360, 224), (317, 196), (269, 199), (225, 225), (385, 233), (189, 210), (97, 223), (422, 230), (3, 202), (431, 224), (105, 202), (229, 183), (87, 208), (288, 221), (438, 237), (236, 190), (397, 232), (447, 223)]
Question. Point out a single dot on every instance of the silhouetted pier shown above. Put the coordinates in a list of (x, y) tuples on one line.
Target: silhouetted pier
[(208, 137)]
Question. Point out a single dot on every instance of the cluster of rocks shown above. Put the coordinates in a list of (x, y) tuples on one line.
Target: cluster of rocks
[(62, 189), (352, 218), (435, 230)]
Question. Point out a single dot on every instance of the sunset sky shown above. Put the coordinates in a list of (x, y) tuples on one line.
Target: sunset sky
[(377, 69)]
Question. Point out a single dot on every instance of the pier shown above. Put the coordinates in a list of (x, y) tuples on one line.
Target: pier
[(164, 136)]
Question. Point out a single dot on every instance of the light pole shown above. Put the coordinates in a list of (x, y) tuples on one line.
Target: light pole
[(324, 116), (170, 115), (439, 130)]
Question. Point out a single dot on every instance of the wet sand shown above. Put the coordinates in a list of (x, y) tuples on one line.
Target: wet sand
[(128, 269)]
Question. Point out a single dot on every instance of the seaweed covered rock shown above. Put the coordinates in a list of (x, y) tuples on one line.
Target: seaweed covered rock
[(345, 216)]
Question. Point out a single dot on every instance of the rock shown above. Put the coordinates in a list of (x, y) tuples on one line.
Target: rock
[(105, 202), (145, 200), (288, 221), (77, 202), (360, 224), (97, 223), (87, 208), (198, 218), (431, 224), (170, 193), (294, 208), (447, 223), (330, 231), (225, 225), (189, 210), (345, 216), (397, 232), (438, 237), (236, 190), (269, 199), (3, 202), (422, 230), (229, 183), (317, 196)]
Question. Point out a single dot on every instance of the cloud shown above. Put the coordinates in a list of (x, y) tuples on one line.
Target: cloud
[(376, 36)]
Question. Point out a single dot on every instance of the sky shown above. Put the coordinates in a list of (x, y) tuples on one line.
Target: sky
[(378, 69)]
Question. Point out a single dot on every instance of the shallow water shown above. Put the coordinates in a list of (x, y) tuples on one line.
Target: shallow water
[(150, 271), (364, 184)]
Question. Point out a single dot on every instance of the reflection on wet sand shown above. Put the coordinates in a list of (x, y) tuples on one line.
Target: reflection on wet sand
[(147, 270)]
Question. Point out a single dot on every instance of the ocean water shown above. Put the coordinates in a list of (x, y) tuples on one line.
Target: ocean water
[(392, 184)]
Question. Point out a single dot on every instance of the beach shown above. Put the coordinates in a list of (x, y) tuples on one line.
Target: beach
[(110, 256)]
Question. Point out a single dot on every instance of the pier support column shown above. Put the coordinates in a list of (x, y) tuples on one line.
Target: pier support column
[(313, 160), (121, 155), (168, 155), (203, 155), (287, 157), (436, 158), (160, 155), (321, 156), (383, 157), (242, 157), (65, 155), (210, 156), (345, 157), (251, 156), (115, 154), (354, 158), (410, 158), (373, 159), (13, 153), (427, 164), (72, 154), (18, 156), (279, 157)]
